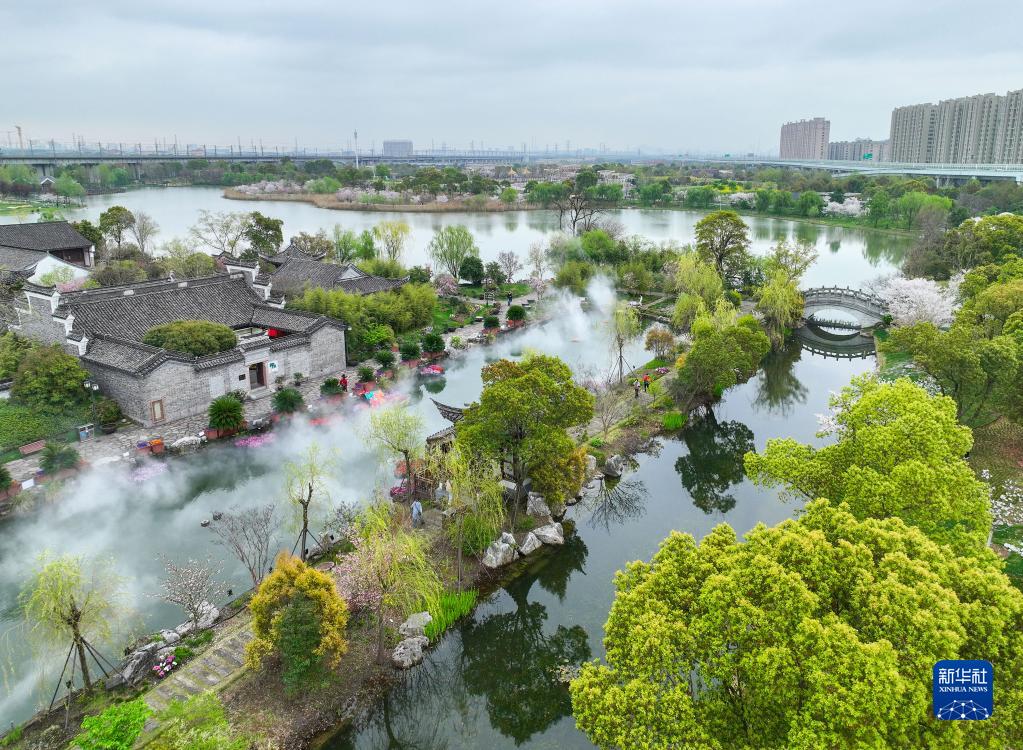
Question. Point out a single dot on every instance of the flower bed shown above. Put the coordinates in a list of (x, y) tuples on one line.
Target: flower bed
[(255, 441), (148, 471)]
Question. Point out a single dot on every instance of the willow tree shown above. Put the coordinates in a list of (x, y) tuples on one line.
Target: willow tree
[(625, 326), (71, 599), (399, 430), (475, 498), (393, 566), (306, 485), (781, 305), (393, 235)]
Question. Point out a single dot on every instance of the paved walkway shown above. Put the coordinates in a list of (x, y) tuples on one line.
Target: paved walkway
[(214, 666)]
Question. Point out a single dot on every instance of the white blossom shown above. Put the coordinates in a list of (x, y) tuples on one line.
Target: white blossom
[(918, 301)]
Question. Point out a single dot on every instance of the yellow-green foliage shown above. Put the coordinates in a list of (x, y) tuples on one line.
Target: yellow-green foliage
[(291, 576)]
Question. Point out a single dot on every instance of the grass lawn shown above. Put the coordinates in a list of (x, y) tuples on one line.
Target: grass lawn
[(445, 315), (518, 289), (653, 364), (21, 424)]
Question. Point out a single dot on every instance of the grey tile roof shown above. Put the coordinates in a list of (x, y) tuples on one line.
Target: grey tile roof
[(44, 235), (298, 274), (19, 259), (292, 251)]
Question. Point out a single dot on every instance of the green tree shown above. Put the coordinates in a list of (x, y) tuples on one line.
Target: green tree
[(793, 259), (119, 272), (475, 503), (196, 337), (114, 222), (13, 349), (67, 187), (264, 235), (525, 408), (719, 358), (810, 203), (70, 599), (298, 616), (393, 566), (781, 305), (977, 371), (984, 240), (508, 196), (625, 326), (184, 262), (346, 245), (722, 239), (818, 632), (50, 380), (472, 269), (90, 231), (450, 246), (393, 235), (116, 728), (306, 488), (899, 452), (699, 289), (880, 207)]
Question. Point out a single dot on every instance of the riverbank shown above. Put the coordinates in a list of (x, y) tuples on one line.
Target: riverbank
[(331, 202)]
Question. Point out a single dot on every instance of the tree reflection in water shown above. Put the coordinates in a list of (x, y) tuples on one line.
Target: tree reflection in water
[(778, 386), (714, 461), (616, 502), (511, 661)]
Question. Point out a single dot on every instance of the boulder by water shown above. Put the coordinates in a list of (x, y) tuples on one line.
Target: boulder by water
[(537, 507), (415, 625), (498, 554), (409, 652), (614, 466), (530, 544), (552, 533)]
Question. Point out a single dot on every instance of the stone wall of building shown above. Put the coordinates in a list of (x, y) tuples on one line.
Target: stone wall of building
[(36, 321)]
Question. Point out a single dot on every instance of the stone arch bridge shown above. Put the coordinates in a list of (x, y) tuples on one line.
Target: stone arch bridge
[(867, 309)]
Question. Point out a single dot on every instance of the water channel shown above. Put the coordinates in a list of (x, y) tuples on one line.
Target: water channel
[(489, 683)]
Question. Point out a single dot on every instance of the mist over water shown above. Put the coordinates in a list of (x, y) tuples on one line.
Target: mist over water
[(104, 513)]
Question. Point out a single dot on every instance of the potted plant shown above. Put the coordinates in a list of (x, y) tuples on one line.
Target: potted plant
[(331, 387), (298, 378), (288, 401), (410, 352), (385, 357), (433, 344), (491, 323), (516, 315), (59, 459), (109, 414), (226, 416), (365, 373)]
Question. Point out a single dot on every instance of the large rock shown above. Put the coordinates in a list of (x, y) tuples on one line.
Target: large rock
[(415, 625), (409, 652), (530, 544), (552, 533), (498, 554), (208, 617), (136, 666), (614, 466), (591, 465), (170, 637), (537, 507), (184, 628), (507, 538)]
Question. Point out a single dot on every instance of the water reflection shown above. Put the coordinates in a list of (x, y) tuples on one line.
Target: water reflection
[(616, 502), (714, 461), (511, 660), (778, 386)]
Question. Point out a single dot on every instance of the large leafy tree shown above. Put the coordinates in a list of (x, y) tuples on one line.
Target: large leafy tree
[(452, 245), (115, 222), (393, 235), (899, 452), (818, 632), (264, 235), (525, 408), (719, 358), (722, 238), (399, 430), (49, 379)]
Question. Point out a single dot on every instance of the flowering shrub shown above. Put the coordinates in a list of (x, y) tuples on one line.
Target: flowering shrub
[(348, 579), (165, 665), (255, 441), (148, 471), (398, 491)]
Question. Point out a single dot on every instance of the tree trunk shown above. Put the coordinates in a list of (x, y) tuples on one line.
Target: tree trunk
[(80, 646), (305, 521), (461, 524), (380, 634)]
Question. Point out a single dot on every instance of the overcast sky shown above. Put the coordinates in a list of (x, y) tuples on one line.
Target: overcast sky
[(693, 76)]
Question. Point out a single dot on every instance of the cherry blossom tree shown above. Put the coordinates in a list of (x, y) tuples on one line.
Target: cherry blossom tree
[(247, 534), (446, 285), (919, 301), (510, 264), (193, 586)]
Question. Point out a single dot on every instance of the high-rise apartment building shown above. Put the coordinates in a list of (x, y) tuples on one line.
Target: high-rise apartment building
[(861, 149), (806, 139), (981, 129)]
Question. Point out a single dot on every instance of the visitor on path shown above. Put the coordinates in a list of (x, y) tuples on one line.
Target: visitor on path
[(344, 382), (635, 384), (510, 297), (646, 382), (417, 514)]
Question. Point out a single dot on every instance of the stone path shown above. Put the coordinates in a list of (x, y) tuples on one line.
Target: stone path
[(214, 666)]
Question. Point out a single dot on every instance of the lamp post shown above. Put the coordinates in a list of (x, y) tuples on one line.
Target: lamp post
[(92, 386)]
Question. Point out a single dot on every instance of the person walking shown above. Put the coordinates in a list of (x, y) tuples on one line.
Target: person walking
[(344, 382), (417, 514), (635, 384), (646, 382)]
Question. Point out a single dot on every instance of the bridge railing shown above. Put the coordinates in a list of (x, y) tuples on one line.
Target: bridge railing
[(837, 291)]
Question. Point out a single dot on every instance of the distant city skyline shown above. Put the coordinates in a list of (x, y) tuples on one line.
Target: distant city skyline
[(656, 76)]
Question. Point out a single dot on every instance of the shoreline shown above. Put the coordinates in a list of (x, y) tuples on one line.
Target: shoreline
[(330, 202)]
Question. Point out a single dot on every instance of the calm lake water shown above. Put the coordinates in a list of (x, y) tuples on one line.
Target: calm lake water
[(489, 683), (848, 257)]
